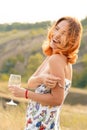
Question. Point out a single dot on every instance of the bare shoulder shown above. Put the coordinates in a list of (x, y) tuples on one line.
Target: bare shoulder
[(57, 59), (57, 65)]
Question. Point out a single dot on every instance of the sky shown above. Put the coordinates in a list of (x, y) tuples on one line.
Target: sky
[(31, 11)]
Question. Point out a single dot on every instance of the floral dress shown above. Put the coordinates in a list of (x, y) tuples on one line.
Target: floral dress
[(40, 117)]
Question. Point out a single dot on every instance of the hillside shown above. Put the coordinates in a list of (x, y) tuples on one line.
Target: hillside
[(17, 46), (22, 43)]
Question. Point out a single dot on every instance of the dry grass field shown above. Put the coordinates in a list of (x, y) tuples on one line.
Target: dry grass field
[(73, 114)]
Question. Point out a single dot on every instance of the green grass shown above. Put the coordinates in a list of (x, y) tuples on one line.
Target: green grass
[(12, 118), (71, 118), (73, 115)]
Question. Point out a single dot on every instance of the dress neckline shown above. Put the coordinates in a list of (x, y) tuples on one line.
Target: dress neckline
[(67, 80)]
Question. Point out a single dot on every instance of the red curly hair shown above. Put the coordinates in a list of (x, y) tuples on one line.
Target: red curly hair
[(70, 50)]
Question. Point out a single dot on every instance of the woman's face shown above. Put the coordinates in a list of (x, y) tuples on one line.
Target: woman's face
[(59, 34)]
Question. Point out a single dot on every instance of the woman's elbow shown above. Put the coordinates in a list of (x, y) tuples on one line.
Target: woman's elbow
[(58, 102)]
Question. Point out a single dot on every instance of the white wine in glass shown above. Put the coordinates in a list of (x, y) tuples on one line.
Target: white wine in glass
[(14, 80)]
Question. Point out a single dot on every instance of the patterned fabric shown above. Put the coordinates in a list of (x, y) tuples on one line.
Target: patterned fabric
[(40, 117)]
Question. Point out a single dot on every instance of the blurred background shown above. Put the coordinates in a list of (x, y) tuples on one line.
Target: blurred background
[(23, 29)]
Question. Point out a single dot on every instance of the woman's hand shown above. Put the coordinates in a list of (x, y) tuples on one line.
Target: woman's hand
[(50, 80), (17, 91)]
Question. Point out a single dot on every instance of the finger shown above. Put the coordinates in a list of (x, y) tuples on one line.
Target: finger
[(52, 82), (54, 79), (51, 85)]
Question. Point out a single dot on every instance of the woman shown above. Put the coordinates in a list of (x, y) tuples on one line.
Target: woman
[(53, 78)]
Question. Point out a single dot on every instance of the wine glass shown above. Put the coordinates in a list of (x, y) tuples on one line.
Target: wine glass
[(14, 80)]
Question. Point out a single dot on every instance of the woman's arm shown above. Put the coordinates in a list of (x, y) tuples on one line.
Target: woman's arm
[(34, 82), (48, 80), (35, 79), (49, 99), (56, 97), (41, 76), (57, 93)]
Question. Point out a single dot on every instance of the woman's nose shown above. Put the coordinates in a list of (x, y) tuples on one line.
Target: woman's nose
[(56, 35)]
